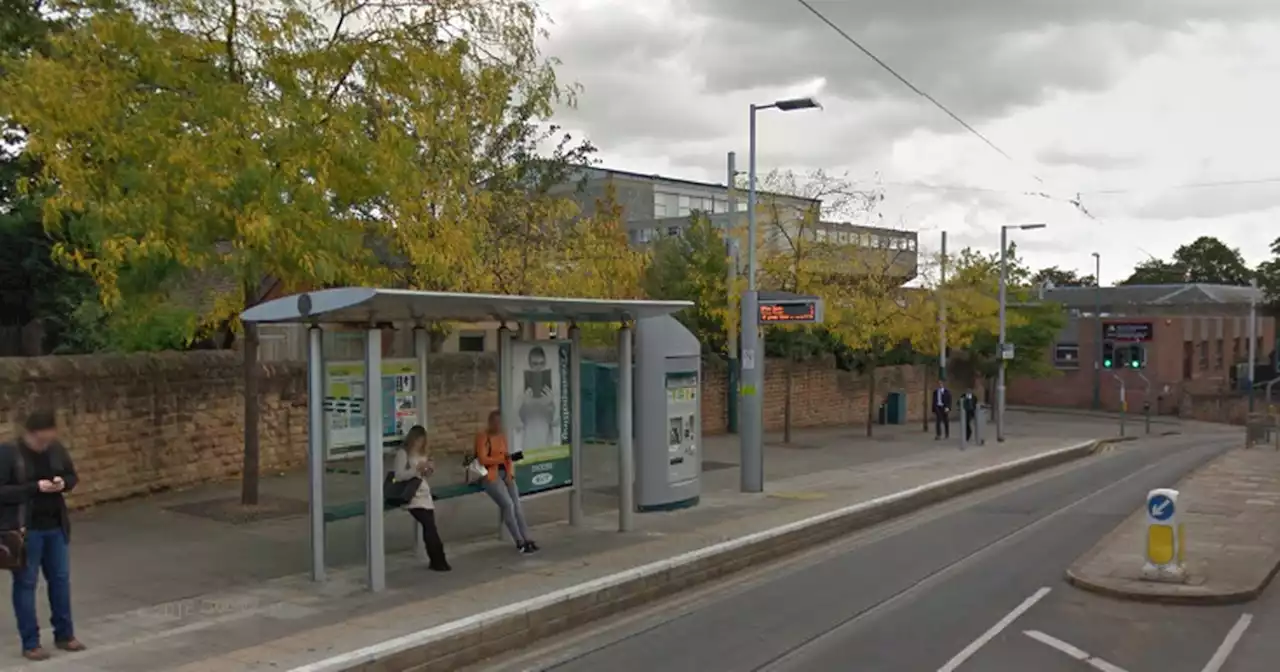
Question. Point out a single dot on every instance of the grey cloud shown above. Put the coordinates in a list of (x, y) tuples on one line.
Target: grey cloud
[(1058, 156), (1212, 203)]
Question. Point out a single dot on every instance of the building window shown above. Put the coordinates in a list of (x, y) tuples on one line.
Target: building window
[(673, 230), (1204, 355), (1066, 356), (659, 208), (664, 204), (1235, 350), (1219, 356), (644, 235), (1188, 353), (471, 341), (722, 205)]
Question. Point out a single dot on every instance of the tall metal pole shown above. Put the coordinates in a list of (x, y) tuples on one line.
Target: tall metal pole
[(374, 538), (1004, 246), (942, 312), (1253, 337), (751, 425), (731, 344), (316, 448), (1097, 341)]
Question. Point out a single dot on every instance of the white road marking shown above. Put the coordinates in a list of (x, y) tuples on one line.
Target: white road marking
[(1080, 655), (1229, 644), (960, 658)]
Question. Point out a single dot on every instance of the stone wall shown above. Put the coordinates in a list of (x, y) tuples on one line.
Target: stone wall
[(1232, 409), (140, 424)]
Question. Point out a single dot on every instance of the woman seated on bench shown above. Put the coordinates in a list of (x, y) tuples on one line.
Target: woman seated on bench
[(413, 461), (500, 481)]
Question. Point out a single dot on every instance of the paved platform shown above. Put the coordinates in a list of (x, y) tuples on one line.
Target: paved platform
[(156, 587), (1231, 517)]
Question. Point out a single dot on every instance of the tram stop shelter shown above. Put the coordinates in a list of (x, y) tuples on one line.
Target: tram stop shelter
[(373, 310)]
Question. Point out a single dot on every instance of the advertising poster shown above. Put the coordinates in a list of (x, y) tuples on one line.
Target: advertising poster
[(344, 407), (538, 373)]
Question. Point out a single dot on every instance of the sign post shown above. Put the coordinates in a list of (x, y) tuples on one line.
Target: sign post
[(1165, 545), (1124, 405)]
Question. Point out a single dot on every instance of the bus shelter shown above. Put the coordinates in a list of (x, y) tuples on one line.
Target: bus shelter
[(372, 310)]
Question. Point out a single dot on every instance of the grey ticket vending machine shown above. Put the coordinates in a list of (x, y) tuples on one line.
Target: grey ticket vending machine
[(668, 420)]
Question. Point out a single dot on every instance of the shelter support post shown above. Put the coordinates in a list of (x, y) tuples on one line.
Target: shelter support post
[(375, 542), (316, 448), (506, 400), (421, 349), (626, 455), (575, 424)]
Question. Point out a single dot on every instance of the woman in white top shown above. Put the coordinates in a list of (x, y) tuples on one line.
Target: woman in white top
[(413, 461)]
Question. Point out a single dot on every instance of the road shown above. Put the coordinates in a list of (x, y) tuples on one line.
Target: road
[(973, 585)]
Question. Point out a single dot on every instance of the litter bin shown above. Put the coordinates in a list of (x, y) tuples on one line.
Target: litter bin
[(882, 414)]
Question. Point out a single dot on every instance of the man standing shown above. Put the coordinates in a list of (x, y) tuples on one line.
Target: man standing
[(34, 473), (942, 411), (969, 404)]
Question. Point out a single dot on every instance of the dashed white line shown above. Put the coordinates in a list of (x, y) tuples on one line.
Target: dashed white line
[(960, 658), (1228, 644), (1079, 654)]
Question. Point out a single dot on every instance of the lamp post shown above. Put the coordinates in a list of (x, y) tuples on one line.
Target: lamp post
[(1253, 337), (1097, 341), (750, 420), (1004, 275)]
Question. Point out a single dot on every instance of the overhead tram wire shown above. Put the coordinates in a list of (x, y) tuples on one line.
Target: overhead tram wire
[(917, 90)]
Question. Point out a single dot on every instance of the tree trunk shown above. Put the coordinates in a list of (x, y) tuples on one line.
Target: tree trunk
[(249, 478), (872, 405), (786, 414), (926, 402)]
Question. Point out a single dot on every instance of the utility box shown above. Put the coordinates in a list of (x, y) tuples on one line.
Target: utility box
[(668, 418), (896, 408)]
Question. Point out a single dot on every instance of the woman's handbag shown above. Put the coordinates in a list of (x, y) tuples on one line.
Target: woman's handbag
[(13, 543), (399, 493), (474, 472)]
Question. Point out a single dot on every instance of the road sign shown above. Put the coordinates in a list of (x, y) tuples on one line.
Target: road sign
[(1160, 507), (1165, 545), (1006, 351)]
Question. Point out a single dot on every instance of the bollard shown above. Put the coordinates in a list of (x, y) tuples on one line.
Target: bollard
[(1164, 552), (1146, 415), (964, 424), (979, 426)]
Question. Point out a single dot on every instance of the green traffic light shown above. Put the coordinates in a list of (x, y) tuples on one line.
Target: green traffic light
[(1106, 363), (1134, 363)]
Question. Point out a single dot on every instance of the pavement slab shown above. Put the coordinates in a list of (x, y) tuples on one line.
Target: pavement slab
[(1231, 522), (260, 617)]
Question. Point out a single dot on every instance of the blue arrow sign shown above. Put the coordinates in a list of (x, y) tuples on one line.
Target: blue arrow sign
[(1160, 507)]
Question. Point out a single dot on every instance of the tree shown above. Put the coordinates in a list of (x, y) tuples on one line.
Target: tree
[(1204, 260), (1060, 277), (1269, 277), (253, 141), (1030, 326), (694, 267)]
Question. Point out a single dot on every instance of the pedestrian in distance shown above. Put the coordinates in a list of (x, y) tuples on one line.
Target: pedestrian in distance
[(35, 472), (969, 403), (942, 411), (500, 481), (413, 463)]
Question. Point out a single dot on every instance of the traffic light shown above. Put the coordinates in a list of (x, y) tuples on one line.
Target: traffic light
[(1108, 355), (1137, 356)]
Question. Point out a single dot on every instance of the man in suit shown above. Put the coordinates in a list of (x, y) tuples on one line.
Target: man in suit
[(969, 403), (942, 411)]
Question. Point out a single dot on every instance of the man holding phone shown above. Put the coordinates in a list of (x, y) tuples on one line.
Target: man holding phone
[(35, 472)]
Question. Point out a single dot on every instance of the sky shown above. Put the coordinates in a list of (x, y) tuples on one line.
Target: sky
[(1121, 102)]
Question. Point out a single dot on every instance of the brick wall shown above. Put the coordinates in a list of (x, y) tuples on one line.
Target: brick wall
[(139, 424)]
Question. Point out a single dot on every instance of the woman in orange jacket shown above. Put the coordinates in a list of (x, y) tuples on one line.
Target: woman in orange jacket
[(500, 481)]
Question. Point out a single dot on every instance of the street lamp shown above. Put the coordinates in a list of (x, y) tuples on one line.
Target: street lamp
[(1097, 342), (1004, 274), (751, 425)]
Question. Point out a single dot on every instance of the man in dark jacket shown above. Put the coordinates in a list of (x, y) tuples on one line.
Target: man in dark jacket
[(942, 411), (969, 404), (35, 471)]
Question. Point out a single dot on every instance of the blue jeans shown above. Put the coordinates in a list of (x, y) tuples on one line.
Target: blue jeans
[(47, 552)]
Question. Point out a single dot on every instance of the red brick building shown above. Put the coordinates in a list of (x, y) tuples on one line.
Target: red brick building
[(1194, 339)]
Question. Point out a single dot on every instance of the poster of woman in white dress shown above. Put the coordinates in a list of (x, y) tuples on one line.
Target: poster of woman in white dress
[(537, 396)]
